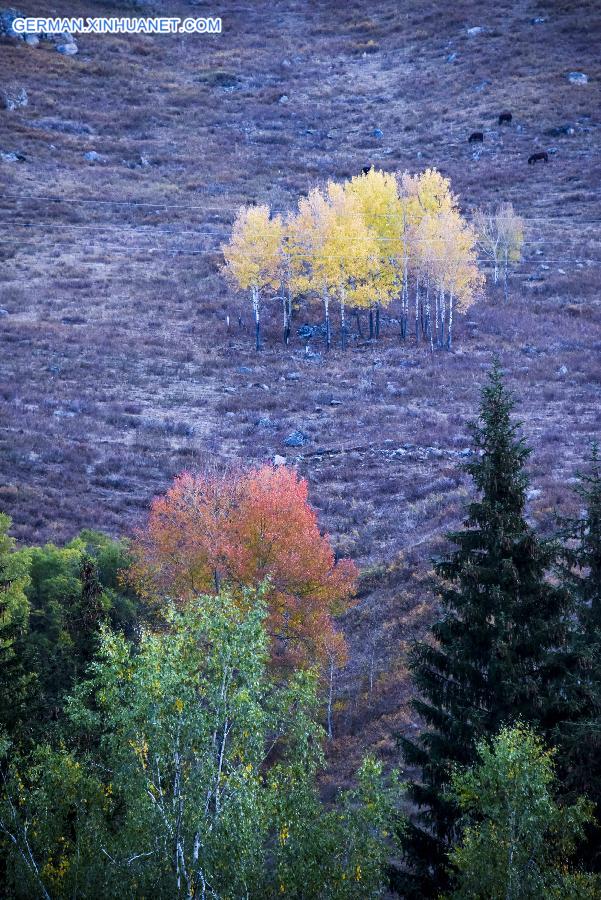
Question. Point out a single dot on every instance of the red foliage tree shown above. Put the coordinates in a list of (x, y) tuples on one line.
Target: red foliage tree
[(241, 529)]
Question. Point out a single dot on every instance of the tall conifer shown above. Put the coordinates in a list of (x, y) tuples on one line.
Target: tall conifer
[(500, 647), (579, 738)]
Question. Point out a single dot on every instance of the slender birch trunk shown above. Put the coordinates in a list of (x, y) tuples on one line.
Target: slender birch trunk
[(286, 325), (255, 302), (450, 328), (289, 313), (342, 321), (330, 698), (405, 300), (417, 308), (326, 304)]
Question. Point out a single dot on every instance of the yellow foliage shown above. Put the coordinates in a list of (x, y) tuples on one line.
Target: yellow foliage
[(253, 257)]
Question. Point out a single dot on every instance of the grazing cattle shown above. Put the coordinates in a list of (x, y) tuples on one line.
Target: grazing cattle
[(366, 170), (542, 156), (476, 136), (505, 117)]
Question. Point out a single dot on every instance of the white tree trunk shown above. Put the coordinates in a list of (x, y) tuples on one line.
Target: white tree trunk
[(256, 310)]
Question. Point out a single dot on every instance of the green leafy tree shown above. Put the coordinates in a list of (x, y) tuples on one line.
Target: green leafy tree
[(339, 854), (499, 649), (518, 841), (15, 677), (192, 775)]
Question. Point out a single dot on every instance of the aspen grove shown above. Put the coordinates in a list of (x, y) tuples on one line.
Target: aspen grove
[(375, 240)]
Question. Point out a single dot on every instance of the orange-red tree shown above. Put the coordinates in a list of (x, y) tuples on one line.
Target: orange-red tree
[(241, 529)]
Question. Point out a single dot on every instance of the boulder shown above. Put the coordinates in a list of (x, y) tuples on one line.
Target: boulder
[(577, 78), (378, 133), (64, 126), (7, 17), (11, 156), (297, 438), (69, 49), (560, 130), (92, 156), (279, 460), (13, 99), (309, 331)]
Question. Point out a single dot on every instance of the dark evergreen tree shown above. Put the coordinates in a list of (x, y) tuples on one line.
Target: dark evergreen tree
[(579, 738), (500, 647)]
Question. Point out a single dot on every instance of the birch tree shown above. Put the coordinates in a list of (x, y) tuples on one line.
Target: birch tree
[(427, 197), (253, 257), (511, 229), (443, 255), (335, 254), (460, 278), (192, 775), (518, 841), (385, 216), (500, 238)]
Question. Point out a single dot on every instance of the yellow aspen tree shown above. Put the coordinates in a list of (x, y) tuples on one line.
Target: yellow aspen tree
[(333, 253), (459, 274), (287, 281), (429, 246), (308, 235), (500, 239), (511, 229), (489, 239), (253, 257), (365, 278), (376, 193), (428, 196)]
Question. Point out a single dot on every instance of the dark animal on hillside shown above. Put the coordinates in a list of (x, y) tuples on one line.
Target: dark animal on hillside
[(366, 170), (543, 156), (476, 136), (505, 117)]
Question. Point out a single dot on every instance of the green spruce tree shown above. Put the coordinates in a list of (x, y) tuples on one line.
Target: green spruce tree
[(579, 738), (500, 646)]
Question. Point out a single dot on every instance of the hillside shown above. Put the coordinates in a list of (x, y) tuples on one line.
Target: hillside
[(118, 367)]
